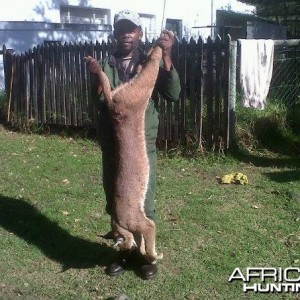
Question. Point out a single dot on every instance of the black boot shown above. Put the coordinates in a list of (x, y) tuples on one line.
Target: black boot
[(144, 268), (121, 264), (129, 259), (148, 270)]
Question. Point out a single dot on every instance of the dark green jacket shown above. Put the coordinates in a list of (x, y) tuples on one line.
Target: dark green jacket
[(167, 85)]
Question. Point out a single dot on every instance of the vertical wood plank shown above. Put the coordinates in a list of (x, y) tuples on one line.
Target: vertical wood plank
[(96, 52), (210, 97), (52, 85), (61, 83), (84, 85), (40, 84), (226, 92), (16, 107), (47, 85), (57, 83), (66, 80), (29, 104), (199, 93), (77, 83), (176, 104), (43, 85), (22, 103), (73, 90), (191, 70), (35, 83), (183, 98), (218, 82)]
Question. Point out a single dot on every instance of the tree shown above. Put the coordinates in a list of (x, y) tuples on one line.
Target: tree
[(278, 10)]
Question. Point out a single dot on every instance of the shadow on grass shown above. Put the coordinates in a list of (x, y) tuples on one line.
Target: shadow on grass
[(26, 222), (284, 176), (265, 160), (56, 130)]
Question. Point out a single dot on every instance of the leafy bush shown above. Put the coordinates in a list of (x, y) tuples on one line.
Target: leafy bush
[(3, 106), (272, 128)]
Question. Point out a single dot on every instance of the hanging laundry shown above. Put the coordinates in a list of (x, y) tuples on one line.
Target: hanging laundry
[(256, 68)]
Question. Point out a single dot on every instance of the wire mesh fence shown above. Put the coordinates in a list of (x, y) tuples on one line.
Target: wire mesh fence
[(285, 83)]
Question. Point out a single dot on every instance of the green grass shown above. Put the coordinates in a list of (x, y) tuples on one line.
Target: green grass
[(52, 218)]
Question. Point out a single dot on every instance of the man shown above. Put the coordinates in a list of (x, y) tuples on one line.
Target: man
[(121, 67)]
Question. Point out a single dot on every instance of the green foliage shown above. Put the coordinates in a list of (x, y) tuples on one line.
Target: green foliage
[(293, 118), (276, 9), (272, 128), (3, 106)]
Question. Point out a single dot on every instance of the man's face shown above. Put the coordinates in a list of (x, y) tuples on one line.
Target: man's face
[(128, 36)]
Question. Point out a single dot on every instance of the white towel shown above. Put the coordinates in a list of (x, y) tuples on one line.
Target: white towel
[(256, 71)]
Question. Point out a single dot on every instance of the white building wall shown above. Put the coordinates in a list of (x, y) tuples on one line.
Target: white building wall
[(49, 10), (199, 13)]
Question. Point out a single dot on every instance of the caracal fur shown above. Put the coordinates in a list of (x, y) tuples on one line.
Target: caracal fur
[(127, 105)]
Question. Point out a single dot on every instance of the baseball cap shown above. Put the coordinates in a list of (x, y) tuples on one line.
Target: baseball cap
[(128, 15)]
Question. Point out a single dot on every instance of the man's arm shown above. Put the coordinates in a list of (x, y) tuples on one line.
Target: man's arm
[(168, 82), (95, 69)]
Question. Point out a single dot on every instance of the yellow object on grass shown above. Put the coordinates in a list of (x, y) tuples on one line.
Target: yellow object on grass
[(239, 178)]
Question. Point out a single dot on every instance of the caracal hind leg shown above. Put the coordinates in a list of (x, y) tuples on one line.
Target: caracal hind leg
[(149, 234), (140, 243)]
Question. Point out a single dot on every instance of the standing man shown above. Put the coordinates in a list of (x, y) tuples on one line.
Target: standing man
[(120, 67)]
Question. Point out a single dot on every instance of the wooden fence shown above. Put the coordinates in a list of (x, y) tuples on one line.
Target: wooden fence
[(50, 84)]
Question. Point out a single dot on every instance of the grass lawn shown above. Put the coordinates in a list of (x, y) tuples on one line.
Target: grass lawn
[(52, 218)]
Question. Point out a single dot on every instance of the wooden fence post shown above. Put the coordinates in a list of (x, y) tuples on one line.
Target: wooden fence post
[(210, 93), (217, 132), (199, 94), (227, 81), (176, 104), (191, 70), (182, 68), (232, 93)]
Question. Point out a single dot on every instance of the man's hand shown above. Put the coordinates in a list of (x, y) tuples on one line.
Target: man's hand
[(95, 68), (93, 64), (166, 41)]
